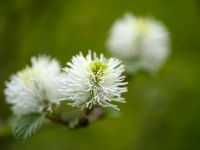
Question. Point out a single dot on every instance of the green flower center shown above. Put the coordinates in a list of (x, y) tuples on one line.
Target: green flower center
[(98, 67), (142, 25), (26, 74)]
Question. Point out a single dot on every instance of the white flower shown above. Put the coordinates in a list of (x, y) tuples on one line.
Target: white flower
[(93, 81), (139, 42), (35, 88)]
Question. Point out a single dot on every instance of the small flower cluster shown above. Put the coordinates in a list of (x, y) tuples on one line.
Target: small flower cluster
[(89, 81), (139, 42), (34, 88)]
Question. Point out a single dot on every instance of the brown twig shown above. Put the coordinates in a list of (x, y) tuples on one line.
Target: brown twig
[(78, 119)]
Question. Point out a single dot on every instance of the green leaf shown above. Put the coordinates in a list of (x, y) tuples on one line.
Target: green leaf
[(73, 123), (111, 112), (27, 125)]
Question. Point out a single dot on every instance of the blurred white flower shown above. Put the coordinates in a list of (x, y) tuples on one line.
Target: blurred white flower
[(93, 81), (35, 88), (139, 42)]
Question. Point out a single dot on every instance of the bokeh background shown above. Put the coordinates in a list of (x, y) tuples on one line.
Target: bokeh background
[(162, 111)]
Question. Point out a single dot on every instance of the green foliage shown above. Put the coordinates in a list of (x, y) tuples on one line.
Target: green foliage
[(111, 112), (27, 125), (73, 124)]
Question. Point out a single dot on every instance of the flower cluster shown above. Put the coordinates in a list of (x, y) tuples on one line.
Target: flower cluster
[(34, 89), (93, 81), (139, 42)]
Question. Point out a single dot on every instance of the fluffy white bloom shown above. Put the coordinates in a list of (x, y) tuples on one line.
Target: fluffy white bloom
[(35, 88), (139, 42), (93, 80)]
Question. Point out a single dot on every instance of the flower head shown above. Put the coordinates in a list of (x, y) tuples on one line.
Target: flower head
[(35, 88), (93, 81), (139, 42)]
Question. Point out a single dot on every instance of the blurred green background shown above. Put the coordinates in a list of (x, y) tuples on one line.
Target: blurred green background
[(162, 111)]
